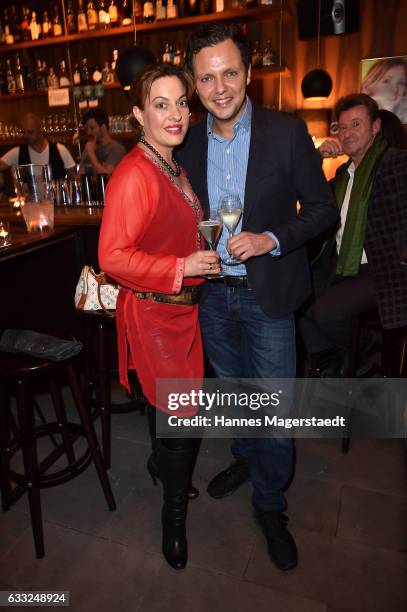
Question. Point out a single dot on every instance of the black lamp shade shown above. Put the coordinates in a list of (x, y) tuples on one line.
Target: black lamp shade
[(316, 84), (131, 61)]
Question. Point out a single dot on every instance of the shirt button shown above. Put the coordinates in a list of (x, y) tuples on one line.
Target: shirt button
[(228, 177), (228, 151)]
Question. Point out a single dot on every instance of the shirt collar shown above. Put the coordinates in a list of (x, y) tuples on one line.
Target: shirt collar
[(243, 123), (351, 169)]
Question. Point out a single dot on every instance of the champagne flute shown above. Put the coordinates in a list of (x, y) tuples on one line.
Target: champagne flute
[(230, 210), (211, 229)]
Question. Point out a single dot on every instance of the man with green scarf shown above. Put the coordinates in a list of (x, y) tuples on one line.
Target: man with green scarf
[(350, 277)]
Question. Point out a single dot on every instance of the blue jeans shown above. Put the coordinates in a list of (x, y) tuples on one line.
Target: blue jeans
[(241, 341)]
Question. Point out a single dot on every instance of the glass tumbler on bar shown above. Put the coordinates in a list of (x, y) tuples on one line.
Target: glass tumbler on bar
[(33, 183), (211, 230)]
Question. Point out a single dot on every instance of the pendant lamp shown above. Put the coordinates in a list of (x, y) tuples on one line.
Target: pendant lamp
[(317, 84), (133, 59)]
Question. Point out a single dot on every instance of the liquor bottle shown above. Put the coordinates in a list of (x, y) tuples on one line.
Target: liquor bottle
[(250, 3), (107, 73), (113, 14), (138, 11), (92, 16), (172, 9), (177, 61), (161, 10), (219, 6), (266, 2), (81, 18), (25, 24), (269, 57), (63, 75), (76, 76), (257, 56), (46, 28), (14, 25), (85, 76), (113, 66), (193, 7), (97, 75), (167, 54), (56, 23), (103, 15), (11, 81), (205, 7), (126, 13), (148, 11), (8, 35), (19, 77), (53, 82), (182, 8), (70, 19), (35, 28)]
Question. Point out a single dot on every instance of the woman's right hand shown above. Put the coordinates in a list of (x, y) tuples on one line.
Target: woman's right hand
[(202, 262)]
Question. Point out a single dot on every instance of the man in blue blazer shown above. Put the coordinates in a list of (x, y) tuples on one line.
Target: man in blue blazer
[(268, 159)]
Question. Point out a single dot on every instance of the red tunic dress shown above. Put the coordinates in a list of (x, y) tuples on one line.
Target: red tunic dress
[(149, 226)]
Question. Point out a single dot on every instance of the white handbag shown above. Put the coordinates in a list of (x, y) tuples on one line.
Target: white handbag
[(95, 292)]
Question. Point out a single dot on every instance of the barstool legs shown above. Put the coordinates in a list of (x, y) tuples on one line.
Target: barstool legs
[(5, 487), (90, 435), (26, 421), (104, 382)]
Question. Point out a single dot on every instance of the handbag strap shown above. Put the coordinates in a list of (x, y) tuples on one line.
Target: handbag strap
[(99, 284)]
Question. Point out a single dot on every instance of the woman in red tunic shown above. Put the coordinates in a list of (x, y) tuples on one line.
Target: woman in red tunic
[(150, 243)]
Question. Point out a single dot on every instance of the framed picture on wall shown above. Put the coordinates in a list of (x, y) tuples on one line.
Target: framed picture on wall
[(385, 80)]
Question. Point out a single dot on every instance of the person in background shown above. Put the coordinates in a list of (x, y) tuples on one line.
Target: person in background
[(101, 153), (360, 267), (150, 243), (386, 82), (39, 150), (247, 318)]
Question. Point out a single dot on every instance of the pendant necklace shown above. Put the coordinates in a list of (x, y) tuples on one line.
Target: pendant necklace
[(166, 165)]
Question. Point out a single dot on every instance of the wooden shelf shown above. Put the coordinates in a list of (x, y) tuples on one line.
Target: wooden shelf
[(236, 14)]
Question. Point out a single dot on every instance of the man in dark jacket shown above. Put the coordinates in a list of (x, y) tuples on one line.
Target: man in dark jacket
[(361, 263), (247, 319)]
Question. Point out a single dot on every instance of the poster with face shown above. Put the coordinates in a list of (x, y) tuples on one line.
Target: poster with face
[(385, 80)]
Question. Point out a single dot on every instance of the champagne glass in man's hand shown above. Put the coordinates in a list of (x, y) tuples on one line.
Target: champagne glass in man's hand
[(230, 211)]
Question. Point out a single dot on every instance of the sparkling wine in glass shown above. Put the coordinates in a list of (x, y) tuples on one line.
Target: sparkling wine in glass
[(230, 210), (211, 229)]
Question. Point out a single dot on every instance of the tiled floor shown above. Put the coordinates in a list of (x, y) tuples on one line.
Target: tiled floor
[(347, 513)]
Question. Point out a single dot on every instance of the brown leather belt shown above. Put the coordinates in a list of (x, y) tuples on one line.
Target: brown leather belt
[(235, 281), (188, 296)]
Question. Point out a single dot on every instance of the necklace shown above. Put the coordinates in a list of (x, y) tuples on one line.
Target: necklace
[(166, 165)]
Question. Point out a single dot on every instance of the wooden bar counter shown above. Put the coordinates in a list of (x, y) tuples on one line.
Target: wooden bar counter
[(39, 270)]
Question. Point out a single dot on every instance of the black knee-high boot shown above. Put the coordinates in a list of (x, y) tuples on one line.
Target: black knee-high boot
[(152, 464), (176, 458)]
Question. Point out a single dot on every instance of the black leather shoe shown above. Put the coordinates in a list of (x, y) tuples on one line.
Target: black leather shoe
[(281, 546), (226, 482)]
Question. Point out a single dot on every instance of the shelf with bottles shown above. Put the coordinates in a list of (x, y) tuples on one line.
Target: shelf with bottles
[(259, 13)]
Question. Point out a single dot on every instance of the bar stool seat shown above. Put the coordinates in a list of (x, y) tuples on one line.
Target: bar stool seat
[(18, 375), (99, 327)]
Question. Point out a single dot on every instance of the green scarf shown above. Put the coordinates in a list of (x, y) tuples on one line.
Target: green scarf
[(353, 237)]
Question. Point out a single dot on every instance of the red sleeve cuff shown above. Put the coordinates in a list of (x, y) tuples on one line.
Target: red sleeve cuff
[(179, 275)]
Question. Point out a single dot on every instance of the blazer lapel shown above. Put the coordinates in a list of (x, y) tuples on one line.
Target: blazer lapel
[(257, 159)]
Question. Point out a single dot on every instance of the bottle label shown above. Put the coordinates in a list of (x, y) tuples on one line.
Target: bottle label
[(172, 12), (113, 13), (92, 17), (82, 23), (104, 18), (45, 27), (76, 78), (148, 10), (220, 6), (57, 27)]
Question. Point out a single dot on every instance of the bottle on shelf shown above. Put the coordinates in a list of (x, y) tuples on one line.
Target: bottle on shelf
[(113, 65), (193, 7), (70, 19), (85, 75), (148, 11), (172, 9), (205, 7), (166, 58), (113, 14), (92, 16), (8, 35), (126, 13), (103, 16), (38, 76), (25, 24), (10, 78), (76, 76), (63, 75), (107, 73), (2, 37), (182, 8), (161, 10), (56, 23), (46, 28), (250, 3), (20, 88), (269, 57), (177, 61), (257, 56), (14, 24), (53, 82), (81, 18), (35, 28), (219, 6)]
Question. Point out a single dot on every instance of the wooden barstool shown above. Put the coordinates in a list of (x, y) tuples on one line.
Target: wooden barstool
[(18, 375), (98, 327)]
